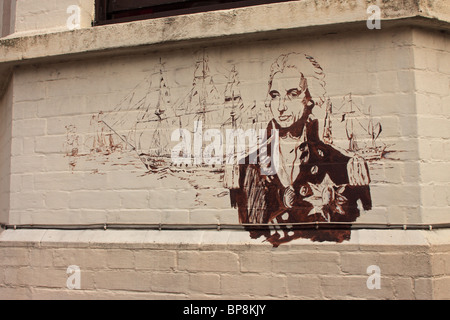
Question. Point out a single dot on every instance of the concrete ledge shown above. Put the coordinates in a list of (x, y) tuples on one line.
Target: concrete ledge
[(293, 15), (199, 239)]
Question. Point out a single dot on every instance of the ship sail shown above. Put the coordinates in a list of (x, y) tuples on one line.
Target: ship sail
[(203, 103), (350, 117), (153, 121)]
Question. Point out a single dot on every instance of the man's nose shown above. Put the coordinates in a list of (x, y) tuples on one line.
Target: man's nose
[(282, 106)]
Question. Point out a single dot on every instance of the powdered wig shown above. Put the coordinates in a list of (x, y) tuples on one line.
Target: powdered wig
[(308, 69)]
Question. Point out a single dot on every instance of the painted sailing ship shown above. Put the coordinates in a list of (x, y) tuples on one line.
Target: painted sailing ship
[(152, 128), (236, 113), (199, 109), (204, 106), (99, 140), (240, 117), (104, 139), (361, 131), (140, 122), (151, 117), (233, 111)]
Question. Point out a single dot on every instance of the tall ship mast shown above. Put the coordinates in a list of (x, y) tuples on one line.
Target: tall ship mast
[(154, 122), (145, 119), (141, 121), (232, 111), (203, 102), (350, 120), (328, 129), (233, 104)]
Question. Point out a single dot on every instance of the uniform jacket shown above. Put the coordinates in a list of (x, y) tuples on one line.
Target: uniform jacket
[(328, 188)]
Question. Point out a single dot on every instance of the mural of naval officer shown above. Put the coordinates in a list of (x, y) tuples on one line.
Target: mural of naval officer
[(311, 181)]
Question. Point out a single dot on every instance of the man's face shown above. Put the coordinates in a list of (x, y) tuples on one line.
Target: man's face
[(288, 99)]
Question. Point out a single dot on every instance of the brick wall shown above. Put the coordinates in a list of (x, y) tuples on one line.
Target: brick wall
[(176, 265), (5, 153), (57, 189), (50, 186), (432, 84)]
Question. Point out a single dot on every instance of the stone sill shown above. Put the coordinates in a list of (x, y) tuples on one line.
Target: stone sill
[(210, 240)]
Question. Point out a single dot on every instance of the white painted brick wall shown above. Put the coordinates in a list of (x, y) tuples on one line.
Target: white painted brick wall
[(49, 99), (5, 153), (433, 89), (49, 16)]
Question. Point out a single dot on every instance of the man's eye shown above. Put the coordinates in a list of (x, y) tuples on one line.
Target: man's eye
[(274, 94), (294, 93)]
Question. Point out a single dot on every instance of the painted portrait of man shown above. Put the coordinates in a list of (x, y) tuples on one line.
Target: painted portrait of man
[(305, 180)]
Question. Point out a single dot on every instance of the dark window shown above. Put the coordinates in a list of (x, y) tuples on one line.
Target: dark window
[(115, 11), (6, 17)]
